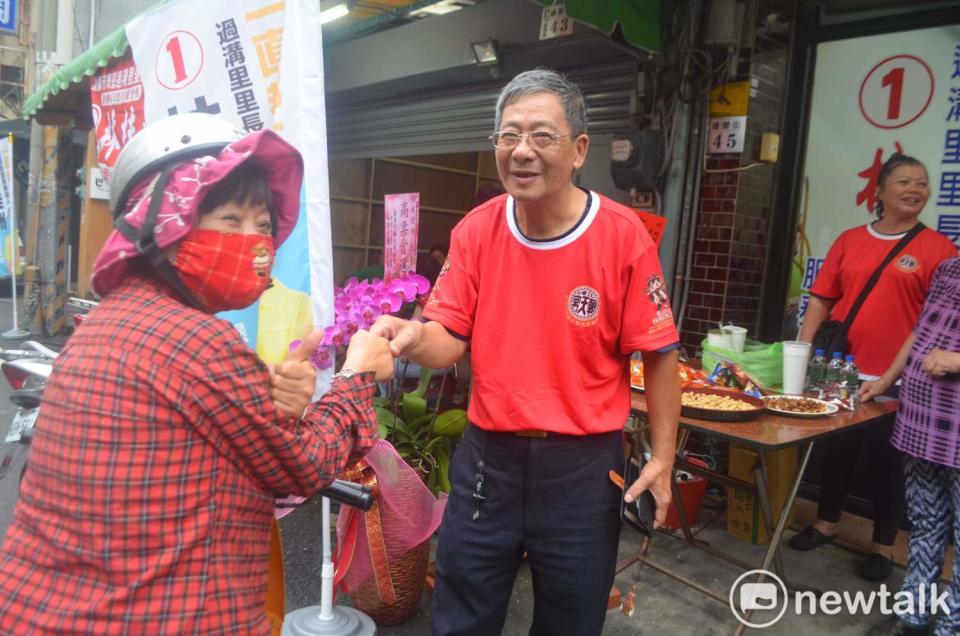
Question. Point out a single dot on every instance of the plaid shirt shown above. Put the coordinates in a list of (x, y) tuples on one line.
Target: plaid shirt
[(928, 418), (147, 503)]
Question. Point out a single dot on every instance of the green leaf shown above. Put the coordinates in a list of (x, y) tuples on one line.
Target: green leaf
[(451, 423), (387, 421), (443, 469), (437, 444), (425, 374), (414, 407), (420, 425), (381, 401)]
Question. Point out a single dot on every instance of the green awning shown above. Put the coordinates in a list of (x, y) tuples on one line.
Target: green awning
[(639, 19), (85, 65)]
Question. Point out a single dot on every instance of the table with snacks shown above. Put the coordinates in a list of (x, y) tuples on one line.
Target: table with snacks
[(765, 424)]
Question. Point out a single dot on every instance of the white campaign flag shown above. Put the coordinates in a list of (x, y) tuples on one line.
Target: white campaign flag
[(258, 63), (214, 57)]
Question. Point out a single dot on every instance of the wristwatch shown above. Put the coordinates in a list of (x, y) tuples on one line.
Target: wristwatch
[(345, 373)]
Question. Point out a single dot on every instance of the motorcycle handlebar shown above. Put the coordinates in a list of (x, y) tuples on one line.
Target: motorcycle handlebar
[(349, 493)]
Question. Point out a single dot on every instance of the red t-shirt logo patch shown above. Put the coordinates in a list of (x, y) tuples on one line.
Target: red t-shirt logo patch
[(583, 306), (907, 264), (657, 293)]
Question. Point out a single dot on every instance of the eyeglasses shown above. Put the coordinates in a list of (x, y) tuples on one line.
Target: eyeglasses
[(538, 139)]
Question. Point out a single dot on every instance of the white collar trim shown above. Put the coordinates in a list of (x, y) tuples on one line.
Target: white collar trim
[(566, 239), (883, 237)]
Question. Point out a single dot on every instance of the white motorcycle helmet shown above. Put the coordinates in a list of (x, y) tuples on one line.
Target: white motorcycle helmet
[(169, 141)]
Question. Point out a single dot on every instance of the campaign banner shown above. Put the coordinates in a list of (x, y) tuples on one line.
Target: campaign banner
[(401, 224), (213, 57), (9, 16), (7, 209), (257, 63), (873, 96), (116, 97)]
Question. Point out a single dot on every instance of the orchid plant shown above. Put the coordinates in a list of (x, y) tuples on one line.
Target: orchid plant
[(359, 303), (423, 436)]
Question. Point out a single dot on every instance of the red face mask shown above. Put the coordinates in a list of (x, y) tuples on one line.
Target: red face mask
[(225, 271)]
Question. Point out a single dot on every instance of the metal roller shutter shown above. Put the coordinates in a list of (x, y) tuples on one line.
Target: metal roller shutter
[(460, 120)]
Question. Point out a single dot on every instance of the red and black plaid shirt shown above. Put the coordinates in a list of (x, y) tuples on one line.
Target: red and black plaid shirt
[(148, 497)]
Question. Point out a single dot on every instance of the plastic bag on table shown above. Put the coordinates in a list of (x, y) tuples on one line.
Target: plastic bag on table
[(760, 360)]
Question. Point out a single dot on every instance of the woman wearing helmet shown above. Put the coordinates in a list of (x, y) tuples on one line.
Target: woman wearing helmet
[(162, 439)]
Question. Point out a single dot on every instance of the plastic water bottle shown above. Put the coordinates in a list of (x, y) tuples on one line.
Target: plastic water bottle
[(816, 371), (849, 381), (831, 388)]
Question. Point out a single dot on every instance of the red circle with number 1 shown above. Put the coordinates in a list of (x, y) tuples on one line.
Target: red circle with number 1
[(179, 60), (896, 91)]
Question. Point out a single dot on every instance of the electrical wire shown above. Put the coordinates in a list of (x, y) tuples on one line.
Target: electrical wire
[(750, 165)]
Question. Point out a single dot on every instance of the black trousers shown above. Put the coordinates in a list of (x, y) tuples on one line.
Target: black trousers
[(882, 467), (551, 497)]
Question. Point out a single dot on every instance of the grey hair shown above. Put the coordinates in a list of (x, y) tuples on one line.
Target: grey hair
[(544, 80)]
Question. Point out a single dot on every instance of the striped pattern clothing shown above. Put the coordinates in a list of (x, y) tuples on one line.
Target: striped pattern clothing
[(928, 418), (147, 502), (933, 505)]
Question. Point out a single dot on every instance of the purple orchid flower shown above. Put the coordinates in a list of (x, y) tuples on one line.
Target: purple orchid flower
[(333, 336), (423, 285), (403, 288), (321, 358), (388, 302)]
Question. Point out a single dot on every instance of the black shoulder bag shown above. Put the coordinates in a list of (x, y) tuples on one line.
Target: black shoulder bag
[(832, 334)]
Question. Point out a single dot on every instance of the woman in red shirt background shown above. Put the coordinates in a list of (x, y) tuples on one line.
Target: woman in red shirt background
[(875, 336)]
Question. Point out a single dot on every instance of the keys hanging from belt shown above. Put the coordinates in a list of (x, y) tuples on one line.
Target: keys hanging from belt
[(478, 497)]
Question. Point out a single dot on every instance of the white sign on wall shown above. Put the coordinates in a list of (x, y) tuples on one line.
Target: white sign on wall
[(98, 185), (555, 23), (726, 135)]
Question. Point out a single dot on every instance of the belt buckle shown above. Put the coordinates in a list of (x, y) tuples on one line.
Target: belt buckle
[(531, 433)]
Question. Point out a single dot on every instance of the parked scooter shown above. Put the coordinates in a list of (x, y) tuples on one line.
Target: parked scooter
[(26, 371)]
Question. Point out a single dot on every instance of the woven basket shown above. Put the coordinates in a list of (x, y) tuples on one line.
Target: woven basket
[(408, 574)]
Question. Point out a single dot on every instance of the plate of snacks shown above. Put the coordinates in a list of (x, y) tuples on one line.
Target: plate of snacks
[(719, 405), (798, 406)]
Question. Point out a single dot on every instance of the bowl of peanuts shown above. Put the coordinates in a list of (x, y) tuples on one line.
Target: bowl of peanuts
[(719, 405)]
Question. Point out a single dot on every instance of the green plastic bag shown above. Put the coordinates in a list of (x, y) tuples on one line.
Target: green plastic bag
[(761, 360)]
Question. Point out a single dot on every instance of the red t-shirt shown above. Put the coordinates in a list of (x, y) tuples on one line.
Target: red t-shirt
[(552, 323), (890, 311)]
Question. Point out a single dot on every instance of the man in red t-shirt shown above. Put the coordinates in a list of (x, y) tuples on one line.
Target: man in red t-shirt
[(554, 287)]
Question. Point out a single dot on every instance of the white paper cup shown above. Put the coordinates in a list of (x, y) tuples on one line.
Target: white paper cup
[(738, 336), (795, 356), (719, 339)]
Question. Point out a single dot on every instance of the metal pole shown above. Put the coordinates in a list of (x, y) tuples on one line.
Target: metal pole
[(327, 619), (93, 22), (15, 331), (326, 571)]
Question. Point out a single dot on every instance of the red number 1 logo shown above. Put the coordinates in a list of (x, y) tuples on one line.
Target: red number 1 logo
[(894, 79), (896, 91), (179, 60), (176, 56)]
